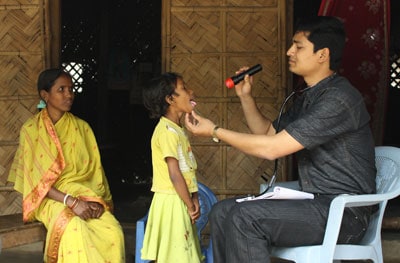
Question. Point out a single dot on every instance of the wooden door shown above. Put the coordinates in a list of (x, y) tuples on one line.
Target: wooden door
[(207, 41)]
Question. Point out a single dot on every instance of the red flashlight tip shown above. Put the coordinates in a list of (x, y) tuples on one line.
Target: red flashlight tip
[(229, 83)]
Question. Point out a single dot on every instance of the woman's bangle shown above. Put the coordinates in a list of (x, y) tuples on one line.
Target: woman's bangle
[(74, 204), (65, 199)]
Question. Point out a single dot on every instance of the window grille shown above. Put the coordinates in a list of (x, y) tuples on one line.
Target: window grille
[(395, 72), (76, 72)]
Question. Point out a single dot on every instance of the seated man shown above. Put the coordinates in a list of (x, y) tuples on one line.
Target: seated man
[(328, 129)]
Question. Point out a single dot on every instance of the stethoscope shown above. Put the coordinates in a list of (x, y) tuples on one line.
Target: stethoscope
[(273, 176), (265, 176)]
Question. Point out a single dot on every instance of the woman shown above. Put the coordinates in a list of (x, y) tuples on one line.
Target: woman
[(58, 170)]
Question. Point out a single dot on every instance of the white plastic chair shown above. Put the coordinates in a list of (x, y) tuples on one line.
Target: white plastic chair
[(388, 187)]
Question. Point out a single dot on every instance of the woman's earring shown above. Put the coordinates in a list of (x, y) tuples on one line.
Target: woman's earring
[(41, 105)]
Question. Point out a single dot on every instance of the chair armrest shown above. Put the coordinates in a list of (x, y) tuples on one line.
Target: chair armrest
[(336, 210), (358, 200)]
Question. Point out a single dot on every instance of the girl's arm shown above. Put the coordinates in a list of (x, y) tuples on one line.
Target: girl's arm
[(180, 185)]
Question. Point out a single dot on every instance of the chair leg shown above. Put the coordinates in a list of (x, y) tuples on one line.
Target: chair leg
[(209, 254)]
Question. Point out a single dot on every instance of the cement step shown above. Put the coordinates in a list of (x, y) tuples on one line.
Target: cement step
[(33, 252), (13, 232)]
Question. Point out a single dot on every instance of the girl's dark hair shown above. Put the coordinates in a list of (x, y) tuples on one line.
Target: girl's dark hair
[(156, 92), (325, 32), (47, 78)]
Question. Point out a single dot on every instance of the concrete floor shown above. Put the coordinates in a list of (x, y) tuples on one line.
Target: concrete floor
[(32, 253), (130, 211)]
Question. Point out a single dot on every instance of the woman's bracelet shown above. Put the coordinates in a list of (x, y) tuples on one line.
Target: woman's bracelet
[(74, 203), (65, 199)]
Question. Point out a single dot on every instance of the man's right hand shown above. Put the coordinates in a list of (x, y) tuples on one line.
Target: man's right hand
[(198, 125), (243, 88)]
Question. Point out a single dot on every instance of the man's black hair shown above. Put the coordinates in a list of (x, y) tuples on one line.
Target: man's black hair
[(325, 32)]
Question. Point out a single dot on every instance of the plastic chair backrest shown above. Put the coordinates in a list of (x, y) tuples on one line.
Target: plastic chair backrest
[(387, 162), (206, 199)]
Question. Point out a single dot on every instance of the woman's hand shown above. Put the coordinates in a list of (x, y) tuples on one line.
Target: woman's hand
[(97, 209), (81, 208), (87, 210), (84, 209), (199, 126)]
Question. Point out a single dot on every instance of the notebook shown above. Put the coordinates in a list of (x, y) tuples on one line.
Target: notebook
[(279, 193)]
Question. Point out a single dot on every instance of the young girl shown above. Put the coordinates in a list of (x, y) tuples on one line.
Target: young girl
[(171, 234)]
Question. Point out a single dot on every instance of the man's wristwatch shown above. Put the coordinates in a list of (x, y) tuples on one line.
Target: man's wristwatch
[(214, 134)]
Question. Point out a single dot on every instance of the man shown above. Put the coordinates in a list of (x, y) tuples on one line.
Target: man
[(328, 129)]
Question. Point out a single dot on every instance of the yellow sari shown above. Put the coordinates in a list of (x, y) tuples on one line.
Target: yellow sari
[(65, 156)]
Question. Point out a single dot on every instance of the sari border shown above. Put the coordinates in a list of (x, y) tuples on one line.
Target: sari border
[(35, 198), (56, 234)]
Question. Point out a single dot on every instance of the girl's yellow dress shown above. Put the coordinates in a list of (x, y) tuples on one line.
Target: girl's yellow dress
[(66, 156), (170, 237)]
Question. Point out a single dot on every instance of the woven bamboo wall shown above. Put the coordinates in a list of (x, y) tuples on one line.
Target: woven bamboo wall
[(207, 41), (22, 41)]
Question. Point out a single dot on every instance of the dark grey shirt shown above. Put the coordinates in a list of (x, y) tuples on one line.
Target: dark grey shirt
[(332, 123)]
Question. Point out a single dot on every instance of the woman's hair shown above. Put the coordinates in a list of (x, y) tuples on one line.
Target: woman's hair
[(156, 92), (47, 78), (325, 32)]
